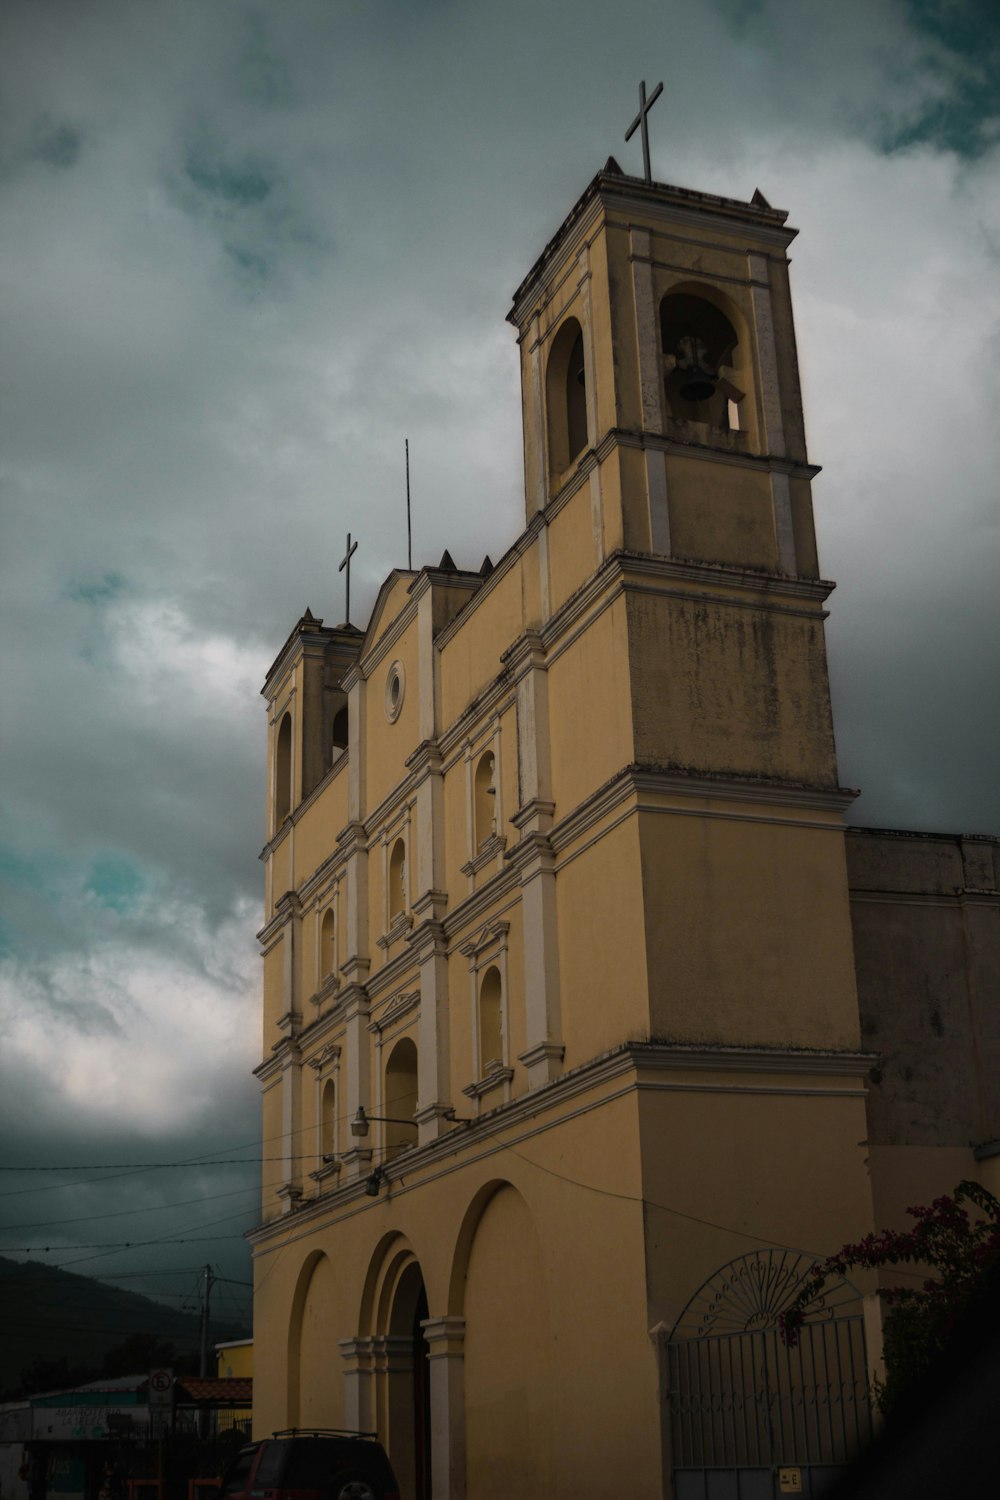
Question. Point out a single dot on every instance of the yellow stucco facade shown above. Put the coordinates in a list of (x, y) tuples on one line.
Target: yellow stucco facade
[(556, 885)]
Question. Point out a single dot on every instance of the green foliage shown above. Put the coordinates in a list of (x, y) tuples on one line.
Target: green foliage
[(957, 1247)]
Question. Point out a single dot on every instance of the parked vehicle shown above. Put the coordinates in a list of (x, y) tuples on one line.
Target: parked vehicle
[(315, 1463)]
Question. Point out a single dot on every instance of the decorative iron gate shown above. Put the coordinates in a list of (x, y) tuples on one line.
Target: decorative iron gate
[(750, 1418)]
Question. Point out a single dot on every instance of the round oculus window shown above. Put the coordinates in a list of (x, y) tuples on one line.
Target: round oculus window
[(395, 686)]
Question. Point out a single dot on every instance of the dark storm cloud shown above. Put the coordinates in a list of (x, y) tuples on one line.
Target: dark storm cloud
[(247, 250)]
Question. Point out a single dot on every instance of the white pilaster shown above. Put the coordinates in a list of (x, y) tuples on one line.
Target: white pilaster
[(767, 356), (535, 443), (784, 530), (532, 856), (359, 1408), (446, 1357)]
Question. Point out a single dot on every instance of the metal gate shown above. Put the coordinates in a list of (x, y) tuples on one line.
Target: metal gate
[(750, 1418)]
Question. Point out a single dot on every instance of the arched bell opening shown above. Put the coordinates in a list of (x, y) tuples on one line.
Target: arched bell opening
[(283, 771), (566, 397), (704, 375)]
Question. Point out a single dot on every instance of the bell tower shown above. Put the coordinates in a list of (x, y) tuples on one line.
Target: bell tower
[(658, 351), (665, 464)]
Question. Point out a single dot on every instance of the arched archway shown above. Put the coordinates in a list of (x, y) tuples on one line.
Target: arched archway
[(394, 1309), (315, 1389), (498, 1286)]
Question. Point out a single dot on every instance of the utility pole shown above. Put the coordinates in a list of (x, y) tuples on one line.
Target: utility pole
[(207, 1282)]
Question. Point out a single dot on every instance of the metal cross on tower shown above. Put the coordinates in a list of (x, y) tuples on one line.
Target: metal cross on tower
[(645, 105), (346, 563)]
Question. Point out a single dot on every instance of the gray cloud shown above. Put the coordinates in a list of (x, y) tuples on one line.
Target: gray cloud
[(247, 251)]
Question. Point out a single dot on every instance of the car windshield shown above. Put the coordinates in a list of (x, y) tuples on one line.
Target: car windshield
[(268, 1475), (235, 1481), (313, 1461)]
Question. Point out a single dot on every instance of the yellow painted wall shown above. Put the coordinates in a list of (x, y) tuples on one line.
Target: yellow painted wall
[(711, 522), (747, 929), (603, 983), (590, 709), (716, 687)]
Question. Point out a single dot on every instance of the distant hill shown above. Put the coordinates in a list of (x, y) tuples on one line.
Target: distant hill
[(48, 1315)]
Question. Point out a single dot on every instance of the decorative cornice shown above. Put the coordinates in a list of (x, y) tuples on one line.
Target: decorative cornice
[(651, 200), (496, 1078), (399, 1006), (428, 937), (424, 760), (634, 1063), (550, 1051), (473, 910), (490, 935), (684, 447), (391, 975), (487, 851), (398, 927)]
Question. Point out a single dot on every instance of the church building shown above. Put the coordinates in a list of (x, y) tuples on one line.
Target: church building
[(569, 1066)]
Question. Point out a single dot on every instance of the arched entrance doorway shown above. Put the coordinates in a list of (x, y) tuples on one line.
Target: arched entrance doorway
[(404, 1394)]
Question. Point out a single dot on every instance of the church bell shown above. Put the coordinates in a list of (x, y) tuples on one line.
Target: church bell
[(697, 380)]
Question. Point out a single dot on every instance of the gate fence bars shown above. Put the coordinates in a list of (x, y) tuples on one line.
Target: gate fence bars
[(744, 1409), (745, 1401)]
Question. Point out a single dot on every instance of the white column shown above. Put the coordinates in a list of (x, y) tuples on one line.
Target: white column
[(393, 1358), (770, 408), (650, 384), (535, 436), (446, 1357), (433, 1031), (359, 1413), (533, 858)]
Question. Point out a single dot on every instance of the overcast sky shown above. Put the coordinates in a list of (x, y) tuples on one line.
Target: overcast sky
[(247, 249)]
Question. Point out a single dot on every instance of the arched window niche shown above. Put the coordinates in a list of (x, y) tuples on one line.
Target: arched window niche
[(397, 881), (283, 771), (327, 945), (339, 734), (566, 397), (401, 1097), (485, 798), (490, 1022), (328, 1120), (706, 371)]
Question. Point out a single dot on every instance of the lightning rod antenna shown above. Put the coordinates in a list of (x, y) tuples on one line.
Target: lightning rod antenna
[(409, 527)]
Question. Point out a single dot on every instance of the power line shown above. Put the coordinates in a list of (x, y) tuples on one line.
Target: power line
[(141, 1166), (203, 1239)]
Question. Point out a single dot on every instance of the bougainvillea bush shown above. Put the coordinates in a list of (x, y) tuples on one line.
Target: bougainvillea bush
[(957, 1247)]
